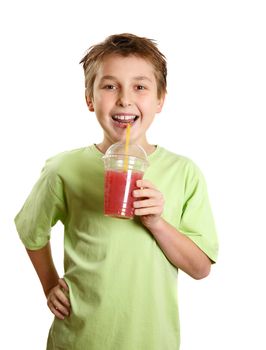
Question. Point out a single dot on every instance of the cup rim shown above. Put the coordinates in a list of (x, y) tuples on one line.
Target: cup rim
[(144, 158)]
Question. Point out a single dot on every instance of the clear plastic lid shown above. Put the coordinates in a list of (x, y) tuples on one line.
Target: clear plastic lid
[(116, 157), (133, 150)]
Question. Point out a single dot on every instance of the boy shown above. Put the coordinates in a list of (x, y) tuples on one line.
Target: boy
[(119, 290)]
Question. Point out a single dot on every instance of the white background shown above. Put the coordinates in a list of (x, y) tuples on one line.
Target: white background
[(213, 114)]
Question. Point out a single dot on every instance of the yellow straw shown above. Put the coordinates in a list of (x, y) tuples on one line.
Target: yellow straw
[(126, 147)]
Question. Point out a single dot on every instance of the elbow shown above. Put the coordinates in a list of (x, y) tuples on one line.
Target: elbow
[(202, 272)]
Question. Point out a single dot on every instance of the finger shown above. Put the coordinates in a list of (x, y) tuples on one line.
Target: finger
[(148, 203), (148, 211), (61, 308), (63, 299), (57, 298), (144, 183), (57, 312), (55, 304), (62, 284), (146, 193)]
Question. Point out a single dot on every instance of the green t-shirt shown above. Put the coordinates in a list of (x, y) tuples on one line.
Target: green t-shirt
[(123, 289)]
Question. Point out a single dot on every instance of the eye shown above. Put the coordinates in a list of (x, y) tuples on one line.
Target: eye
[(140, 87), (109, 87)]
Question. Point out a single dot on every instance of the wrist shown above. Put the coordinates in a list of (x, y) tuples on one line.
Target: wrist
[(157, 226), (49, 286), (48, 290)]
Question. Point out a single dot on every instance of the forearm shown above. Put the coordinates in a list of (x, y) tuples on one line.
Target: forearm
[(181, 251), (44, 266)]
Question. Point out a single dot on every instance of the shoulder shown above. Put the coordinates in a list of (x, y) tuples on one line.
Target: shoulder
[(66, 156), (65, 160), (72, 165), (181, 168), (177, 161)]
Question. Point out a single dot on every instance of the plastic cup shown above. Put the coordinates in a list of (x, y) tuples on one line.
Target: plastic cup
[(121, 174)]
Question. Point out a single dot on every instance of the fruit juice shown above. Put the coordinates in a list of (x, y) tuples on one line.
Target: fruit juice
[(118, 187)]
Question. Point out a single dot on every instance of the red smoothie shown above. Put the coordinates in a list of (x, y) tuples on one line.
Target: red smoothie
[(118, 188)]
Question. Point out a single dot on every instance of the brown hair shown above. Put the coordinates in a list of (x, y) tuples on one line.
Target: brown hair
[(125, 44)]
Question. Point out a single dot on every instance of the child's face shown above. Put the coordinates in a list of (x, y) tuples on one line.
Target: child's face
[(125, 91)]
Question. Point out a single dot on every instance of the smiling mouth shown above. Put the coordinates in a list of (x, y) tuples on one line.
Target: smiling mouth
[(123, 120)]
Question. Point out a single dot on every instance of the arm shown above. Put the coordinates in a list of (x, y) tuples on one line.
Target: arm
[(54, 288), (179, 249), (44, 266)]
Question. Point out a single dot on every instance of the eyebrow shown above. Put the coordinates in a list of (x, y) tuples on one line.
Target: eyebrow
[(138, 78)]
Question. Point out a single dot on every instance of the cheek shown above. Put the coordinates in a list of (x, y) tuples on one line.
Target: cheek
[(146, 104), (104, 101), (150, 107)]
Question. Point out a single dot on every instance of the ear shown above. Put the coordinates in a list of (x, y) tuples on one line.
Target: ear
[(89, 103), (160, 103)]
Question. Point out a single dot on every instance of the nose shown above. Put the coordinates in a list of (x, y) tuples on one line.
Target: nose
[(124, 99)]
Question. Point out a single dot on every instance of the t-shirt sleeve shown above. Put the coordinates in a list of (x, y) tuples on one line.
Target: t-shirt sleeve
[(197, 220), (43, 208)]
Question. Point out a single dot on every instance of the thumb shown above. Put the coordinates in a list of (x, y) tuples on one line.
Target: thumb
[(62, 284)]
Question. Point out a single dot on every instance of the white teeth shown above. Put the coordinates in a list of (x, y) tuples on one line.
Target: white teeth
[(124, 117)]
